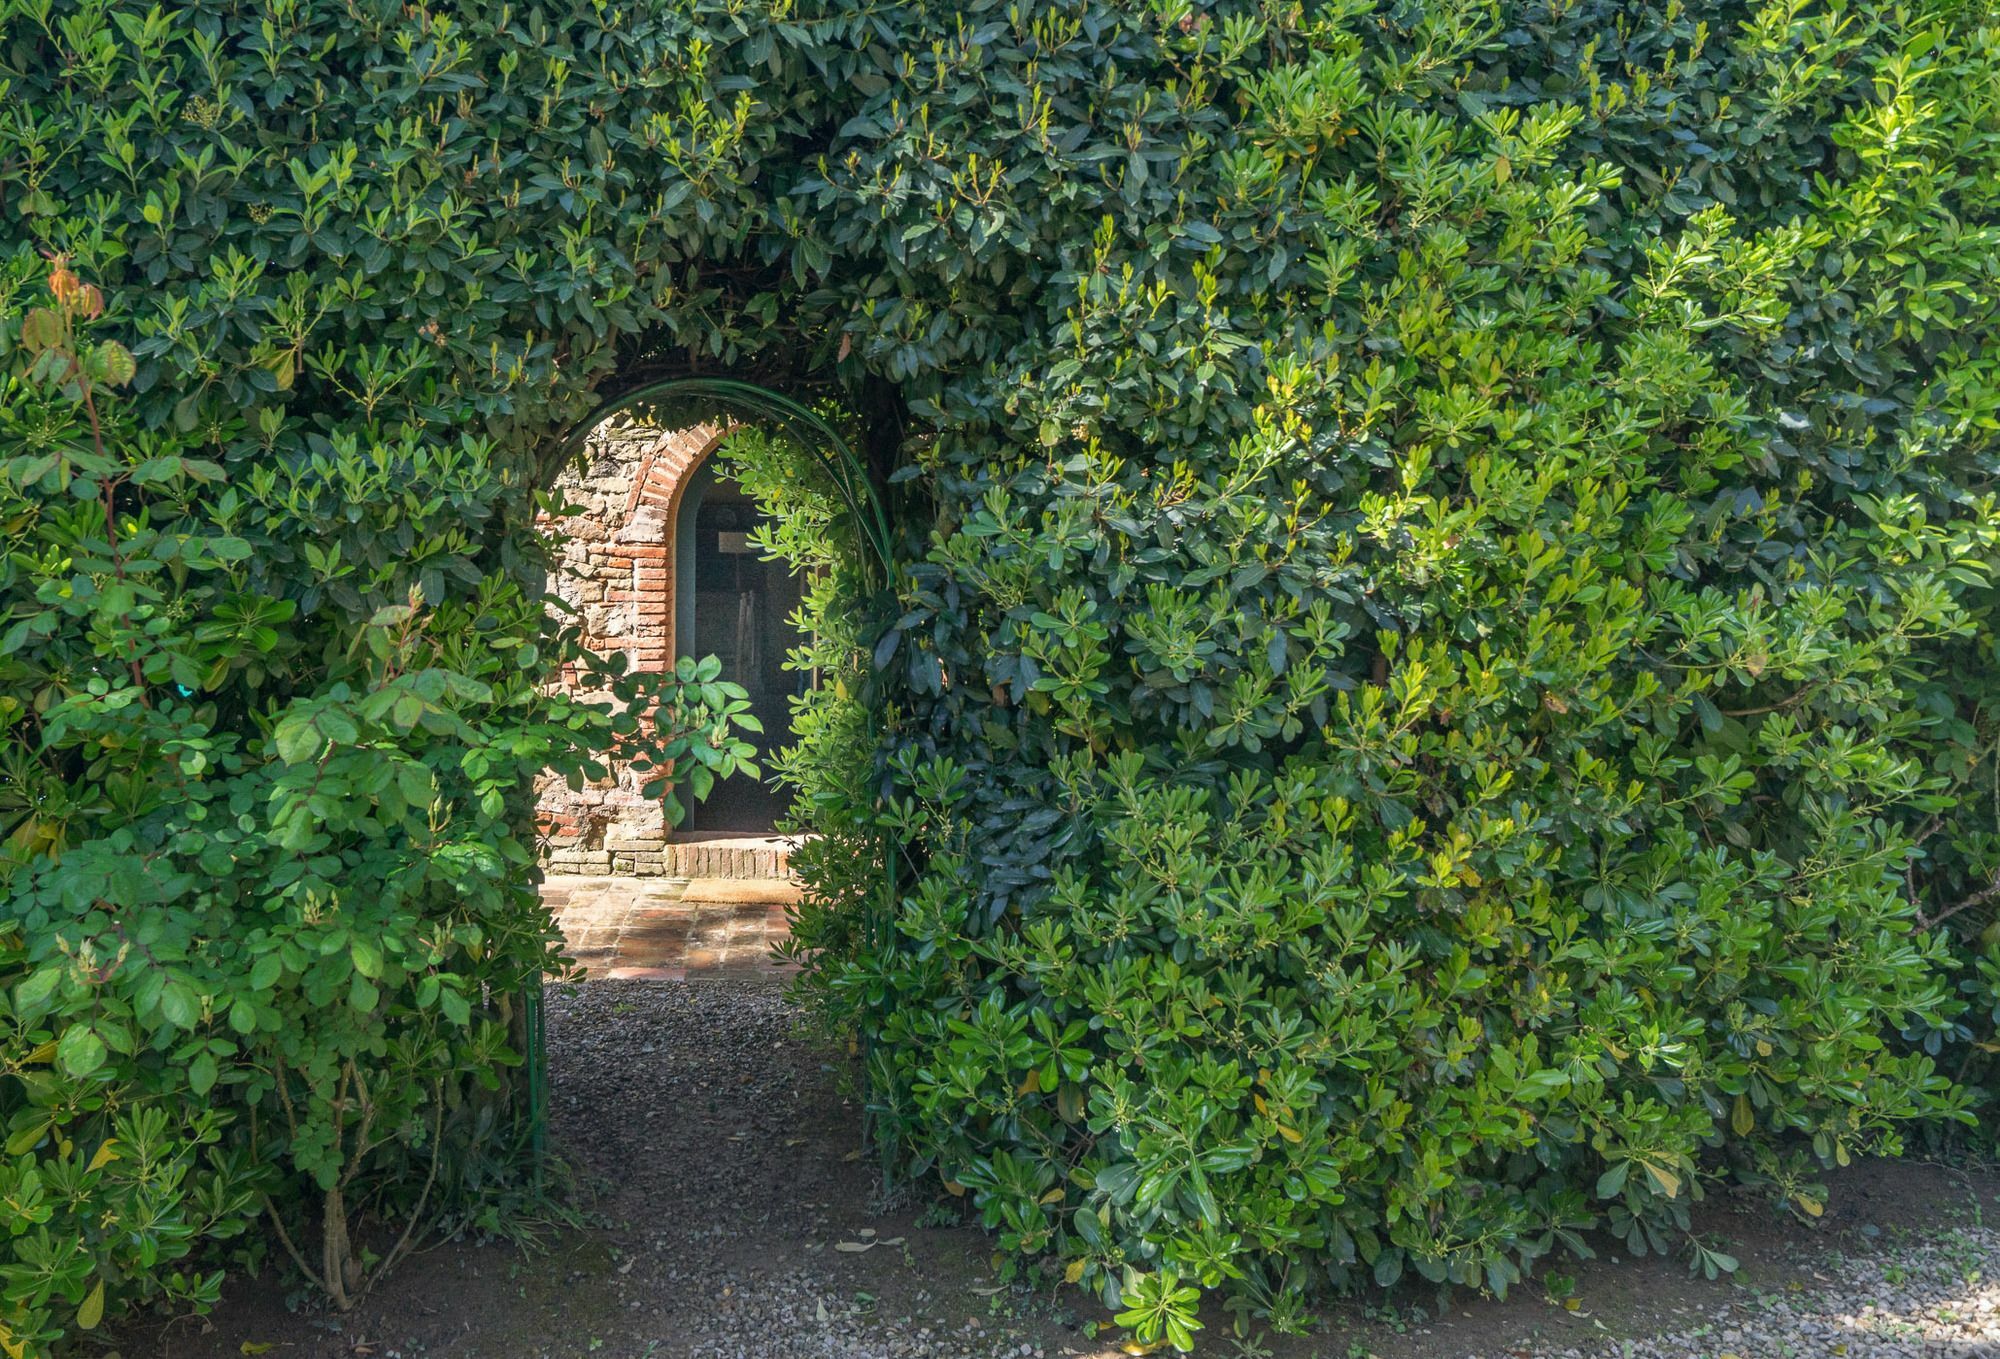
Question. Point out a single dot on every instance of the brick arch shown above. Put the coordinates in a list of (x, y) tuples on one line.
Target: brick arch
[(616, 567), (623, 577), (662, 475)]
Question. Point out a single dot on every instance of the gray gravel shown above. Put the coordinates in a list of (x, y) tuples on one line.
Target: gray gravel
[(734, 1171), (1936, 1298)]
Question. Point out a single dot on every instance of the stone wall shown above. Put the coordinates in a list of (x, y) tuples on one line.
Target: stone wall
[(617, 572)]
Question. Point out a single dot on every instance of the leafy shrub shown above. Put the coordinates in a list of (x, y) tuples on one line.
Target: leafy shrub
[(266, 947), (1958, 873), (831, 764), (1431, 698), (1439, 688)]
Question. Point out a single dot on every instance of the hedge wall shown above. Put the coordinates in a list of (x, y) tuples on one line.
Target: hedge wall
[(1447, 701), (1439, 691)]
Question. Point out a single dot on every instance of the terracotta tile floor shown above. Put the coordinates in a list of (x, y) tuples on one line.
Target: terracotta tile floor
[(672, 929)]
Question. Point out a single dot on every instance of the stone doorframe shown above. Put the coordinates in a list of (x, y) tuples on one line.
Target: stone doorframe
[(617, 568)]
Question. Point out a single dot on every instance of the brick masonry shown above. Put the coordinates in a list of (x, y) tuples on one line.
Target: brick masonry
[(672, 929), (617, 572)]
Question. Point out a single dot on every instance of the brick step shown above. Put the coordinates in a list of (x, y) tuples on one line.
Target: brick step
[(729, 856), (741, 891), (747, 857)]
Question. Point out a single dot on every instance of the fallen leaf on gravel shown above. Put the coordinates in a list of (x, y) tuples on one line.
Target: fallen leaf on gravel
[(851, 1246)]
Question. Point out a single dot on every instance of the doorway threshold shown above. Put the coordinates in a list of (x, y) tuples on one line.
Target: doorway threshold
[(729, 854)]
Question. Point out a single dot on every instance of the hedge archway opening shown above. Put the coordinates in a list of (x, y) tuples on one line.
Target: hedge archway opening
[(800, 562)]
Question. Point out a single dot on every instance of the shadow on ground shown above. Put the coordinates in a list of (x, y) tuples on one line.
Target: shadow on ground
[(735, 1216)]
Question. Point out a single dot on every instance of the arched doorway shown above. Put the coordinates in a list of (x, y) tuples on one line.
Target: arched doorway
[(734, 603), (657, 561), (660, 563)]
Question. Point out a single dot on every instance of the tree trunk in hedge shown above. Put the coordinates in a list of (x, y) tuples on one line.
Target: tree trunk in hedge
[(338, 1268)]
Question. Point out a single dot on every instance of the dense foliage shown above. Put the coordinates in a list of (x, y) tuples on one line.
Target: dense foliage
[(829, 761), (1453, 638), (1441, 690), (269, 927)]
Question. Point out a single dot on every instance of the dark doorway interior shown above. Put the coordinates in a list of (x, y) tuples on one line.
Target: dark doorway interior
[(734, 605)]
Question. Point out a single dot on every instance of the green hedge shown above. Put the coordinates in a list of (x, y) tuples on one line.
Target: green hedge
[(1438, 692), (1455, 633)]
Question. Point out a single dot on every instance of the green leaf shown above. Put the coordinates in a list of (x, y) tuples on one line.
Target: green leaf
[(413, 781), (337, 727), (298, 740), (38, 987), (114, 363), (202, 1073), (179, 1006), (92, 1311), (24, 1138), (41, 330), (80, 1050)]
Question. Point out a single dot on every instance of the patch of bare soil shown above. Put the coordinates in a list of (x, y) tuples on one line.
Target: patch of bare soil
[(736, 1218)]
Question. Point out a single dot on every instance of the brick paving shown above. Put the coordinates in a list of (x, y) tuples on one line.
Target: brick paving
[(672, 929)]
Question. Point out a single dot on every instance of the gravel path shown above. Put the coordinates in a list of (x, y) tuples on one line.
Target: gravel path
[(1938, 1298), (735, 1173)]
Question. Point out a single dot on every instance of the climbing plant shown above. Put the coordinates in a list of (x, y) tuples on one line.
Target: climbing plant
[(830, 763), (1437, 695)]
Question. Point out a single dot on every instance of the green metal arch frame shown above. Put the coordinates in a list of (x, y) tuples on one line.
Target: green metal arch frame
[(808, 429), (821, 442)]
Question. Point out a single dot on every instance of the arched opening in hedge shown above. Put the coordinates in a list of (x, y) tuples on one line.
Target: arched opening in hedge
[(663, 553)]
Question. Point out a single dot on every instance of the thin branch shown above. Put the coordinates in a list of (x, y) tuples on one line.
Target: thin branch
[(1780, 706), (361, 1146), (285, 1238), (1979, 898)]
